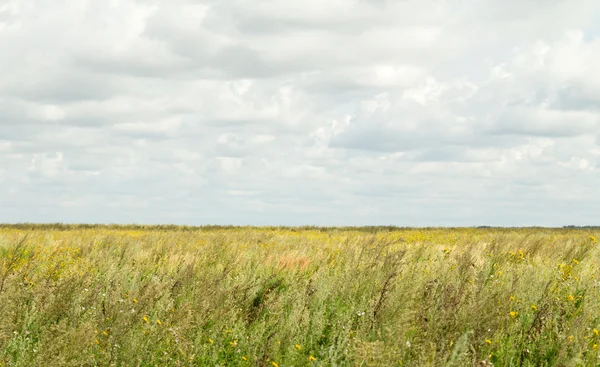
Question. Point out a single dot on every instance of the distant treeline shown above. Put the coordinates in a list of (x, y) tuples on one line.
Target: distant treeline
[(581, 227), (174, 227)]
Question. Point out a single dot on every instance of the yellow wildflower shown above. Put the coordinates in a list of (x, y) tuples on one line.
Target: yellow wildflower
[(233, 343), (595, 346), (244, 358), (593, 239), (488, 341), (274, 364), (571, 298), (311, 358), (513, 314), (135, 300), (158, 322), (146, 319), (575, 261), (211, 341), (534, 307), (570, 338), (298, 346), (595, 331)]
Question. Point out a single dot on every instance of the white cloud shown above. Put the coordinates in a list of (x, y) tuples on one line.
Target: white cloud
[(300, 112)]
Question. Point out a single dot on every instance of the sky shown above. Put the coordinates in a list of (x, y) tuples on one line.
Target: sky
[(300, 112)]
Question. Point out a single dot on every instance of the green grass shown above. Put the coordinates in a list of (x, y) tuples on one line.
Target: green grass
[(211, 296)]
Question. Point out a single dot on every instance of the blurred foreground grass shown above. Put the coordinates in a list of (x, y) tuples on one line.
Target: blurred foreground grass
[(178, 296)]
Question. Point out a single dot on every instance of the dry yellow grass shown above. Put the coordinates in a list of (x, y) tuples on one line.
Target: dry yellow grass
[(146, 296)]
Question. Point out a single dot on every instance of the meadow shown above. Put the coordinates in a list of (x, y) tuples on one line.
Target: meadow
[(241, 296)]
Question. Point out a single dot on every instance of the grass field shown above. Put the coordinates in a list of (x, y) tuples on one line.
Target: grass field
[(176, 296)]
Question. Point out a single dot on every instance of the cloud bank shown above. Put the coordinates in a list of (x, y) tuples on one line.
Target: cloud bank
[(344, 112)]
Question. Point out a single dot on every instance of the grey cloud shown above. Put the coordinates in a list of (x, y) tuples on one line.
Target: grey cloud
[(380, 140), (576, 98), (300, 112), (63, 87), (543, 122)]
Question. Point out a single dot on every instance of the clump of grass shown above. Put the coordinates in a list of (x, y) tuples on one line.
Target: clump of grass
[(239, 296)]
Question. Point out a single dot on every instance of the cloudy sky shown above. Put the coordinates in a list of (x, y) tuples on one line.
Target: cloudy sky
[(337, 112)]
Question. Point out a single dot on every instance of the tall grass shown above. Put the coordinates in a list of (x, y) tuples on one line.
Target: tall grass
[(170, 296)]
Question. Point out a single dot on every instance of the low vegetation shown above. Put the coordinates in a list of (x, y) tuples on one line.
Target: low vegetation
[(211, 296)]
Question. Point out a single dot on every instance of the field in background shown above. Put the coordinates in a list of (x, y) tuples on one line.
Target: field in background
[(175, 296)]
